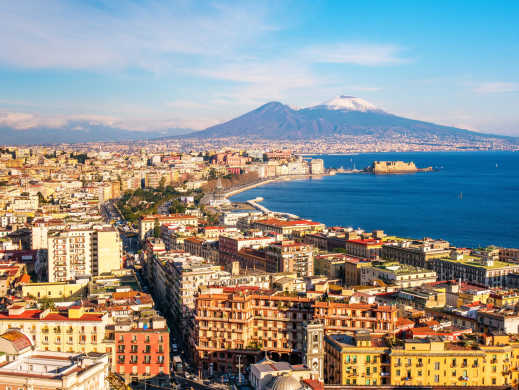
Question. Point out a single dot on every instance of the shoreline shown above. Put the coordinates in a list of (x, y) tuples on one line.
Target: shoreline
[(278, 179)]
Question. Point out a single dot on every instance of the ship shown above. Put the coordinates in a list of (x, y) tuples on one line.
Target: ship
[(394, 167)]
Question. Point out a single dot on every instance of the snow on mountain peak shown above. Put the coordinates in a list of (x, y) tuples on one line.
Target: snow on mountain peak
[(351, 103)]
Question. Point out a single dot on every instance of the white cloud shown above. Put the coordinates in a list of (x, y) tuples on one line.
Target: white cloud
[(496, 87), (56, 34), (25, 121), (357, 54)]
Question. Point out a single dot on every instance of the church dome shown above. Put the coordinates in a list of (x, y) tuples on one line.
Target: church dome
[(286, 382)]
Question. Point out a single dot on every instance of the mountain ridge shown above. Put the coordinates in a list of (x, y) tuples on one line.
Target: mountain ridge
[(353, 117), (79, 132)]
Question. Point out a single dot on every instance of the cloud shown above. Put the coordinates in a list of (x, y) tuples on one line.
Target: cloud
[(357, 54), (73, 35), (496, 87), (26, 121)]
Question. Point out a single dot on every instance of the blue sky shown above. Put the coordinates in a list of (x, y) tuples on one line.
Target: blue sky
[(151, 65)]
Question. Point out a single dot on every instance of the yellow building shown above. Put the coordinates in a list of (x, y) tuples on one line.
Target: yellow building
[(73, 330), (366, 360), (502, 298), (437, 363), (356, 360), (54, 290)]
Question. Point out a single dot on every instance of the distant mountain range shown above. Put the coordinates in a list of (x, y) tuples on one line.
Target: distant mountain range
[(343, 115), (79, 132), (340, 116)]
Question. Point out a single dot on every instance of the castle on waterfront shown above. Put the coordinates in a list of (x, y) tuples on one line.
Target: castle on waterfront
[(390, 167)]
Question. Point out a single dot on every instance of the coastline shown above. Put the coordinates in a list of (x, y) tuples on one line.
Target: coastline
[(247, 187), (410, 204)]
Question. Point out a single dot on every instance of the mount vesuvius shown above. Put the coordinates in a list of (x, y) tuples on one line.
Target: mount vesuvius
[(343, 115)]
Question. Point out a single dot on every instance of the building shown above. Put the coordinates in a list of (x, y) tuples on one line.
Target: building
[(358, 359), (483, 270), (142, 349), (287, 227), (290, 256), (230, 247), (362, 360), (55, 290), (73, 330), (330, 265), (510, 255), (314, 348), (244, 321), (401, 275), (345, 317), (147, 223), (271, 375), (434, 362), (416, 253), (352, 270), (77, 253), (43, 370), (316, 166), (498, 320), (366, 248)]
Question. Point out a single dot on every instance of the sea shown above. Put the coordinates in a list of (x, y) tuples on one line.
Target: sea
[(471, 199)]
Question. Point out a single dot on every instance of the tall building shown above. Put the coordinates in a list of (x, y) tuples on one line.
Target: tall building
[(142, 349), (243, 321), (314, 347), (290, 256), (90, 252)]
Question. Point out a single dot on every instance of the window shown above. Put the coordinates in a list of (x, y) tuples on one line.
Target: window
[(397, 372), (436, 379), (437, 365)]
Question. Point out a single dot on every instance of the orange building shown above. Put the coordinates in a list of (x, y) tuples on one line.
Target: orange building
[(232, 322)]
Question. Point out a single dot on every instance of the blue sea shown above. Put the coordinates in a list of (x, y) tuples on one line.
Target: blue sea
[(471, 200)]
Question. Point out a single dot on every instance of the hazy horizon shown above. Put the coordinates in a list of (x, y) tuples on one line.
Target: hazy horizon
[(192, 64)]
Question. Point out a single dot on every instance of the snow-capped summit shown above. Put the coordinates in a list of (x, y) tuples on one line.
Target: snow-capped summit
[(350, 103)]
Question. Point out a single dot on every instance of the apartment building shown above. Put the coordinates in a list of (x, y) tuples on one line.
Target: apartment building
[(77, 253), (401, 275), (359, 359), (417, 253), (147, 223), (73, 330), (142, 349), (244, 320), (230, 245), (367, 248), (232, 322), (351, 317), (290, 256), (434, 362), (45, 370), (287, 227), (364, 360), (479, 269)]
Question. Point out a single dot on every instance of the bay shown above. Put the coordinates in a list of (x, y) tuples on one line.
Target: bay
[(471, 200)]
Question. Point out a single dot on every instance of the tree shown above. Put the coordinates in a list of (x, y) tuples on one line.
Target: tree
[(212, 174), (156, 229), (162, 182), (41, 198)]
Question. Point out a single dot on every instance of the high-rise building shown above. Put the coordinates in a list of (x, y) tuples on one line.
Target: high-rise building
[(83, 252)]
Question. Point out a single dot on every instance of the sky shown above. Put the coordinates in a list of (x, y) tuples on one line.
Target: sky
[(149, 65)]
